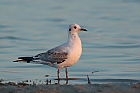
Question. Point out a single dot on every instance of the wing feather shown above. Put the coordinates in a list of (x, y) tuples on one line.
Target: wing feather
[(54, 55)]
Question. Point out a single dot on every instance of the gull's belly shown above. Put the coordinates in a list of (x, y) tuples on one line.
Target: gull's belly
[(73, 57)]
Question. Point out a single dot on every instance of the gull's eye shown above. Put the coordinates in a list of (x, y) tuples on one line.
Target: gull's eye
[(75, 27), (70, 29)]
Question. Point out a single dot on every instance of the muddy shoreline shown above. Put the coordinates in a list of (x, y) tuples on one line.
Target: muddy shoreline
[(77, 88)]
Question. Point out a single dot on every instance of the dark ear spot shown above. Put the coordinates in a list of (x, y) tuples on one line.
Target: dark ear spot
[(70, 29), (75, 27)]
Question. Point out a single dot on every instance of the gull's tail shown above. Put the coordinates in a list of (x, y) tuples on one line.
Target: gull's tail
[(24, 59)]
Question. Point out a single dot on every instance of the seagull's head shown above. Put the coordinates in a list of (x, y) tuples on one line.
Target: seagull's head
[(75, 28)]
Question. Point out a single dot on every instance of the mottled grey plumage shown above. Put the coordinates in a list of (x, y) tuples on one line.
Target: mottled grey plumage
[(53, 56)]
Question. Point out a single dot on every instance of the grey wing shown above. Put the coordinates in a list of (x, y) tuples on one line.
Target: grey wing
[(53, 56)]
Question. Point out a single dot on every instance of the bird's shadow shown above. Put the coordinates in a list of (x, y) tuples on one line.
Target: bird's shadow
[(66, 79)]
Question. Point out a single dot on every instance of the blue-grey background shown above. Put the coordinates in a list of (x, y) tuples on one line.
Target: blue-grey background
[(111, 46)]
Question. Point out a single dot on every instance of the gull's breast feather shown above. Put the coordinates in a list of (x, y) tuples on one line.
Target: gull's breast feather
[(75, 51)]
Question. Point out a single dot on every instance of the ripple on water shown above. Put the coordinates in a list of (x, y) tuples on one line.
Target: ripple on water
[(114, 46), (12, 38)]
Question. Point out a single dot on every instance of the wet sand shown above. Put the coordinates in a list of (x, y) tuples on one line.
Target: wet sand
[(77, 88)]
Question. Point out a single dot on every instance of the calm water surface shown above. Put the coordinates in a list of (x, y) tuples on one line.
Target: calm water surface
[(111, 46)]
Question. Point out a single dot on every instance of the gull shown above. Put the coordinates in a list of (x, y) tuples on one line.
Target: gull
[(62, 56)]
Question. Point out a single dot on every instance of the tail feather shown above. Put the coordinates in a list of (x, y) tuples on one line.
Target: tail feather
[(26, 59)]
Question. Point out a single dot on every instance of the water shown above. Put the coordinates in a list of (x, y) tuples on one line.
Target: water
[(111, 46)]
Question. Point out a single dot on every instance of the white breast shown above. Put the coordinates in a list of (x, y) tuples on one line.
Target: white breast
[(75, 51)]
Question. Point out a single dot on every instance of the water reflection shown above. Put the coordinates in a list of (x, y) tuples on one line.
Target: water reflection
[(66, 80), (131, 1)]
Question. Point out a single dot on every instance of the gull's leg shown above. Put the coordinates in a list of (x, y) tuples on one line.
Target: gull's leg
[(58, 73), (66, 81), (66, 73)]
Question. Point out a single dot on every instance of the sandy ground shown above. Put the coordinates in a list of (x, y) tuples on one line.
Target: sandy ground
[(83, 88)]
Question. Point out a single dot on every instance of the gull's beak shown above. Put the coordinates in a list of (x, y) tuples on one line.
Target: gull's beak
[(82, 29)]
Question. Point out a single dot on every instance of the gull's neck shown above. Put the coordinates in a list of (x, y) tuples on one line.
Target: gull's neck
[(73, 38)]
